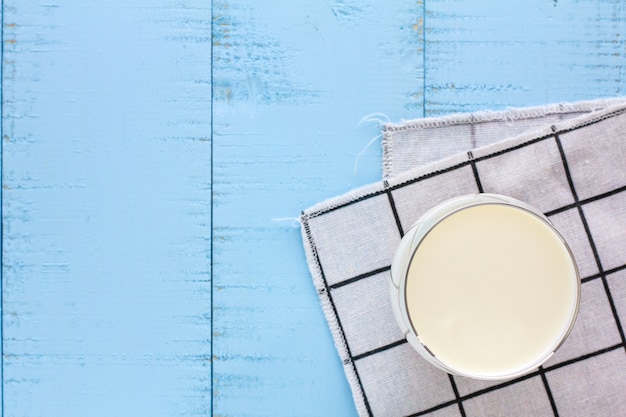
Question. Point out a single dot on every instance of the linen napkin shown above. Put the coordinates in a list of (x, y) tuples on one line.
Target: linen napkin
[(569, 161)]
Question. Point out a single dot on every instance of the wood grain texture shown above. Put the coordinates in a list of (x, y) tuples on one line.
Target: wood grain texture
[(496, 54), (106, 203)]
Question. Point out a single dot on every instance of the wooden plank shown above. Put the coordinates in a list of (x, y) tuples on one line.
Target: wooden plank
[(106, 204), (292, 81), (498, 54)]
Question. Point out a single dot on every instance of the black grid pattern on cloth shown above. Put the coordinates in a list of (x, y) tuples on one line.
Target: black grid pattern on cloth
[(474, 162)]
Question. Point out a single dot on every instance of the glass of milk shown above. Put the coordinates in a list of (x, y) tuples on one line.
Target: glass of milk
[(483, 286)]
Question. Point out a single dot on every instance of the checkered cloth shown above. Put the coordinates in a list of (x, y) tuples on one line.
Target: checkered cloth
[(569, 162)]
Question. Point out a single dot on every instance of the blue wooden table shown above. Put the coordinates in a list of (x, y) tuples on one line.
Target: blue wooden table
[(156, 153)]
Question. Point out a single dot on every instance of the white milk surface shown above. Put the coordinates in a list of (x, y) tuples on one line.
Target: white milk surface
[(491, 290)]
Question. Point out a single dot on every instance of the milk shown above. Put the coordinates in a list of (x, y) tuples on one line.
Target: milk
[(491, 290)]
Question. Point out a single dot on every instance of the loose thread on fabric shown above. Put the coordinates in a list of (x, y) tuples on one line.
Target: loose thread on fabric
[(295, 221), (380, 119), (371, 118), (358, 157)]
